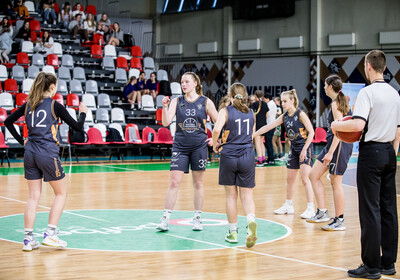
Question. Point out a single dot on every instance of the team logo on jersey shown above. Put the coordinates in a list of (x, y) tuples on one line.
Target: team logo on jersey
[(289, 124), (295, 118), (190, 125), (182, 106), (291, 134), (199, 106), (175, 154)]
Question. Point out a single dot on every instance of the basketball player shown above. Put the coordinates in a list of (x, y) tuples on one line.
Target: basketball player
[(237, 161), (300, 132), (190, 144), (377, 114), (334, 157), (41, 158)]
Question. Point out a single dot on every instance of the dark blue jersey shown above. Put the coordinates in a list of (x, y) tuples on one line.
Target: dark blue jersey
[(150, 85), (128, 89), (237, 132), (329, 133), (191, 119), (42, 126), (295, 129), (141, 85)]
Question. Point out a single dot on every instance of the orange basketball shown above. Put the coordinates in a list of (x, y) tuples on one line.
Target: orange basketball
[(348, 137)]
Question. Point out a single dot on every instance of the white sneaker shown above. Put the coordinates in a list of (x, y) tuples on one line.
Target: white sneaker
[(197, 224), (163, 225), (308, 214), (285, 209), (53, 240), (30, 244)]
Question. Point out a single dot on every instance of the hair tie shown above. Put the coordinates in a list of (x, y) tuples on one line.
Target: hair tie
[(238, 96)]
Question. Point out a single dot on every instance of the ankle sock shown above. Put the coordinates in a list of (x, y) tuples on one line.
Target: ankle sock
[(167, 213), (232, 227)]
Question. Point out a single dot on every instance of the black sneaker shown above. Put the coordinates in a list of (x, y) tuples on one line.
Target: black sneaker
[(364, 271), (388, 270)]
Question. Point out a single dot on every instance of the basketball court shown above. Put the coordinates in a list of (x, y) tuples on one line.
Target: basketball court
[(112, 211)]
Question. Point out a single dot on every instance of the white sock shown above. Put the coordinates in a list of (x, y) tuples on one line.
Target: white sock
[(251, 218), (289, 202), (323, 210), (197, 214), (167, 213), (51, 229), (232, 227), (310, 205), (29, 232)]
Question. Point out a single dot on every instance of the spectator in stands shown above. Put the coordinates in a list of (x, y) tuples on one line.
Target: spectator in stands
[(89, 24), (45, 44), (66, 15), (21, 10), (6, 27), (5, 46), (48, 11), (117, 36), (99, 29), (76, 27), (78, 11), (8, 10), (131, 92), (141, 84), (151, 84), (106, 23), (252, 99), (24, 32)]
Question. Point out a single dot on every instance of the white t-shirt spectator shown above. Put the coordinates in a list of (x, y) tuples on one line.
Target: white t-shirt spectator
[(272, 111)]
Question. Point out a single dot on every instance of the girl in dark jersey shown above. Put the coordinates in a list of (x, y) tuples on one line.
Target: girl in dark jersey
[(300, 132), (237, 169), (151, 85), (260, 109), (334, 157), (190, 144), (41, 159)]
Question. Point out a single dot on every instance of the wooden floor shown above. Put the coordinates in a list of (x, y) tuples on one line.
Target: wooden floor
[(308, 253)]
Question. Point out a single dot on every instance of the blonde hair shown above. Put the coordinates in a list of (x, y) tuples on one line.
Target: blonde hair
[(222, 102), (238, 92), (292, 96), (40, 86), (196, 78)]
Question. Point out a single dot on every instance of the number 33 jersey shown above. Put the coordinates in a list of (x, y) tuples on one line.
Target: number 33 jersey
[(237, 132), (191, 119)]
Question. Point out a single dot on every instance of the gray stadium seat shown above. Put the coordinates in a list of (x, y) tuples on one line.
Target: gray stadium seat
[(3, 73), (89, 101), (89, 117), (103, 101), (148, 63), (67, 61), (118, 127), (102, 116), (148, 73), (26, 85), (64, 74), (6, 101), (72, 113), (37, 60), (117, 115), (91, 87), (120, 76), (159, 99), (79, 74), (33, 71), (62, 87), (162, 75), (75, 86), (18, 73), (49, 69), (148, 103), (108, 63)]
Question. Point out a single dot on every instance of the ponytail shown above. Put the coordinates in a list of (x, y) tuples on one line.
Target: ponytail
[(40, 86), (196, 78), (342, 103), (292, 96), (238, 92), (260, 96)]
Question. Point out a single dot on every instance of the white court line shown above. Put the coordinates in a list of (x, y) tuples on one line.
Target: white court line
[(65, 211), (115, 167), (267, 255)]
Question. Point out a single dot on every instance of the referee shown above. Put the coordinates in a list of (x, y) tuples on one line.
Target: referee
[(377, 113)]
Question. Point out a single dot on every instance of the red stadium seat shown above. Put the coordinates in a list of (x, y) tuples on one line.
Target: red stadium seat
[(139, 140), (23, 59), (56, 8), (33, 36), (52, 60), (3, 116), (91, 9), (4, 148), (98, 39), (20, 99), (73, 101), (59, 98), (21, 120), (1, 87), (145, 134), (25, 131), (159, 116), (96, 51), (122, 63), (320, 135), (94, 138), (11, 86), (135, 63), (35, 26), (164, 136), (136, 51)]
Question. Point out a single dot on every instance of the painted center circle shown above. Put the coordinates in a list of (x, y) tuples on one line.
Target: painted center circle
[(135, 230)]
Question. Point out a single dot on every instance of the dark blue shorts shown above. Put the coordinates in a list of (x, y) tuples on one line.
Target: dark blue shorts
[(340, 158), (294, 157), (37, 167), (238, 171), (197, 159)]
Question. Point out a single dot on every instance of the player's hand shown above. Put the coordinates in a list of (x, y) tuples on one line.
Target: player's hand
[(327, 159), (215, 148), (165, 101), (83, 108), (303, 155), (209, 142), (25, 141)]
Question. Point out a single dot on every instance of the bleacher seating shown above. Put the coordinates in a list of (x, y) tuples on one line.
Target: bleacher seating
[(49, 69), (67, 61), (133, 72), (64, 74), (23, 59), (33, 71), (3, 73), (18, 73), (6, 101)]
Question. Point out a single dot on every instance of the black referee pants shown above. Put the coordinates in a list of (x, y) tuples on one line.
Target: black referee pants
[(376, 171)]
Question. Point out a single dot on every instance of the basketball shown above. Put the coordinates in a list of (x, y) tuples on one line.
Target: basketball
[(348, 137)]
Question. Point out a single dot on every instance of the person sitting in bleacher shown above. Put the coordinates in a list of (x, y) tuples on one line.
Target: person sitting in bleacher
[(45, 44), (141, 84), (24, 32), (76, 27), (131, 93), (8, 10), (99, 29), (6, 27), (21, 10), (106, 23), (151, 85), (78, 11), (117, 36), (89, 24), (66, 15), (5, 41), (48, 11)]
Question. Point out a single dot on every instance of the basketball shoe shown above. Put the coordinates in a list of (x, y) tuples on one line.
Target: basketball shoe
[(336, 224), (30, 243), (163, 225), (231, 237), (285, 209), (197, 224), (308, 213), (53, 240), (319, 217), (251, 234)]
